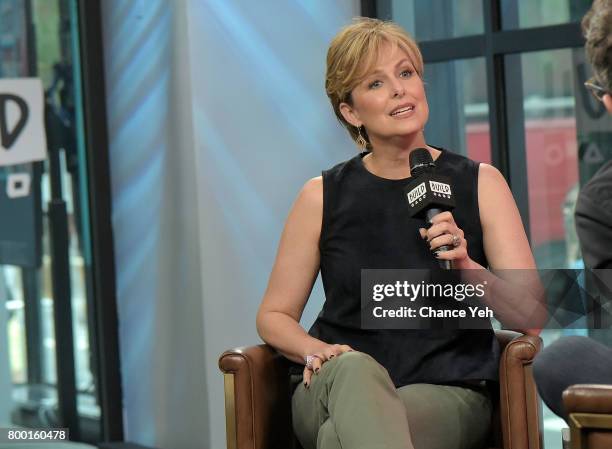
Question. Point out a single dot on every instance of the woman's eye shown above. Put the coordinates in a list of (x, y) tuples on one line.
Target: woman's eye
[(374, 84), (406, 73)]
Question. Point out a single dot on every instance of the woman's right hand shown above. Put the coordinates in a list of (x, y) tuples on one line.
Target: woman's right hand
[(317, 359)]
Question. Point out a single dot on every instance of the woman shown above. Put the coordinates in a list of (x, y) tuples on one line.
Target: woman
[(385, 389)]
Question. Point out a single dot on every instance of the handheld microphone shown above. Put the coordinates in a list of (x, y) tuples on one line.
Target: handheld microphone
[(428, 193)]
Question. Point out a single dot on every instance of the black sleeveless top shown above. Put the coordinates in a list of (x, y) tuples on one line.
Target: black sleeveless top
[(366, 224)]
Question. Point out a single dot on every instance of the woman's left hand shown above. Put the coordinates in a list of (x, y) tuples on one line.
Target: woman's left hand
[(444, 231)]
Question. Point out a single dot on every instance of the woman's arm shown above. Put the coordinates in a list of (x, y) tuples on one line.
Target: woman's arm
[(504, 239), (516, 291), (513, 287), (505, 242), (293, 275)]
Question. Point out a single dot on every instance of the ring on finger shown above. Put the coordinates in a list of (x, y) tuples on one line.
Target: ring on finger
[(456, 240), (310, 358)]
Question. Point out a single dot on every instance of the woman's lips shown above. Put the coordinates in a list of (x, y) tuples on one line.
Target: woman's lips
[(402, 112)]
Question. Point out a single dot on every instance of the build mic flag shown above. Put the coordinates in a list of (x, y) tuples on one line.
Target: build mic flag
[(428, 193)]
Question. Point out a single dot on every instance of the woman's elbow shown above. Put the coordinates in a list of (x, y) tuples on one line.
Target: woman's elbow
[(264, 323), (260, 323)]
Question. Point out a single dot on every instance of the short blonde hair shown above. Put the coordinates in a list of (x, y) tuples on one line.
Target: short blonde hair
[(351, 57)]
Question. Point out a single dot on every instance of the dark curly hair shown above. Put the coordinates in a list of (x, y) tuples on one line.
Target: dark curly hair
[(597, 30)]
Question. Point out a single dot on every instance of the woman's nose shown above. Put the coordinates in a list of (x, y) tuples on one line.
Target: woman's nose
[(398, 90)]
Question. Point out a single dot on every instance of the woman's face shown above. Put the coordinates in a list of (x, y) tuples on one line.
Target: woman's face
[(391, 101)]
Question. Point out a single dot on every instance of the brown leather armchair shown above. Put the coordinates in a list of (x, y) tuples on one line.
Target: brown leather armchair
[(258, 397), (589, 408)]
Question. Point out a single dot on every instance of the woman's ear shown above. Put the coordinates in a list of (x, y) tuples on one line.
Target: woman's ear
[(349, 114), (607, 101)]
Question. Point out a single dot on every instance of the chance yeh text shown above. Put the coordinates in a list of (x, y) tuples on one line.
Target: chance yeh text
[(430, 312)]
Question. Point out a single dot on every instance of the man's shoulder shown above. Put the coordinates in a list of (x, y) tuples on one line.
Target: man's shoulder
[(596, 195)]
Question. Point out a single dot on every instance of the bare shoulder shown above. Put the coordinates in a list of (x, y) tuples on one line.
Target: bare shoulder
[(490, 176), (493, 190), (310, 199), (312, 192), (307, 212)]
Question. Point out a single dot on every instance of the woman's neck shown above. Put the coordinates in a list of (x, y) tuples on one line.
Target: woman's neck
[(390, 159)]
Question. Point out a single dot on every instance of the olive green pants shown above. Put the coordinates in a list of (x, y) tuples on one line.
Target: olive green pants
[(353, 404)]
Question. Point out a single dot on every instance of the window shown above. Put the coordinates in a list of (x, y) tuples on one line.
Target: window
[(505, 86), (52, 317)]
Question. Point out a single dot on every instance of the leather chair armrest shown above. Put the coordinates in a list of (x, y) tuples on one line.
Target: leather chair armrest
[(588, 399), (506, 336), (257, 398), (589, 407), (519, 403)]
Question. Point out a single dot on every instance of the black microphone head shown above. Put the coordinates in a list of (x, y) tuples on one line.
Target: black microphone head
[(420, 162)]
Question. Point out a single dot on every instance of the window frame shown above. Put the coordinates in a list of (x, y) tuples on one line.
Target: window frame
[(493, 45)]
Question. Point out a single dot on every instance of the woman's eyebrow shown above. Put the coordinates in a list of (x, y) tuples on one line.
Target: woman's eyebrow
[(402, 61)]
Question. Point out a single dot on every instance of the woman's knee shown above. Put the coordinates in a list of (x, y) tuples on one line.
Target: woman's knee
[(356, 364), (355, 360)]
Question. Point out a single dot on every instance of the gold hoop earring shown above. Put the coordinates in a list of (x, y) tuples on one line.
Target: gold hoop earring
[(361, 142)]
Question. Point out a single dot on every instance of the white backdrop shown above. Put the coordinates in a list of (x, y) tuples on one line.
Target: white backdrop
[(217, 116)]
